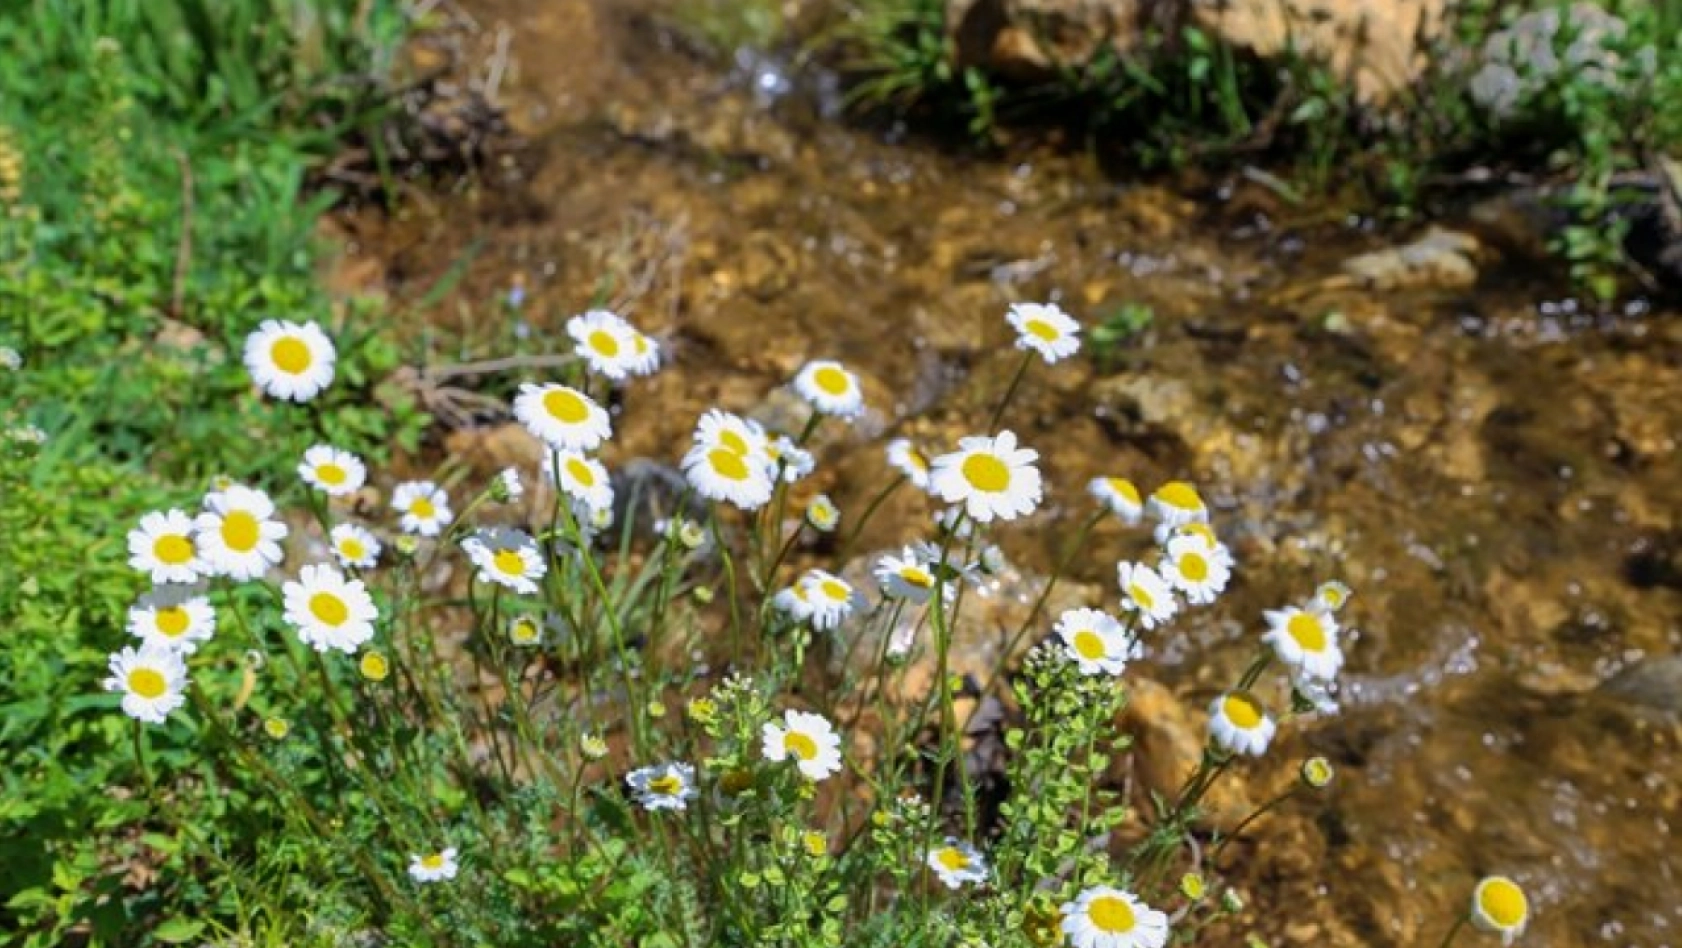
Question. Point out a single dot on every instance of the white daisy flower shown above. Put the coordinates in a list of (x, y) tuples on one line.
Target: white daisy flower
[(1096, 642), (822, 514), (328, 610), (235, 534), (1104, 917), (162, 547), (151, 679), (1239, 724), (434, 867), (373, 666), (525, 631), (332, 471), (789, 460), (721, 474), (1499, 906), (507, 557), (605, 342), (1313, 695), (807, 739), (561, 417), (1204, 534), (1176, 503), (1305, 640), (664, 787), (354, 546), (1331, 597), (178, 617), (906, 459), (290, 360), (581, 478), (830, 389), (991, 477), (1046, 329), (645, 354), (832, 599), (793, 602), (1119, 496), (1144, 593), (424, 506), (1189, 568), (956, 863), (721, 429), (508, 486), (907, 576)]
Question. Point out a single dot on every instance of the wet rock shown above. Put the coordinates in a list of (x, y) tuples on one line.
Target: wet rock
[(1653, 683), (489, 450), (1376, 43), (1168, 746), (1439, 260)]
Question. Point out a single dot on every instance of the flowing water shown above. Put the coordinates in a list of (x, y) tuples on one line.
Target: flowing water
[(1492, 469)]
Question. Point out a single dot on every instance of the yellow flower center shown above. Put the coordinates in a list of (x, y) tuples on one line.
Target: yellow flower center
[(434, 861), (330, 474), (565, 405), (1194, 567), (525, 631), (1111, 914), (173, 621), (1042, 330), (603, 342), (665, 786), (509, 562), (1179, 495), (374, 667), (173, 549), (240, 532), (733, 441), (581, 472), (916, 577), (1305, 629), (148, 683), (1141, 595), (835, 590), (1503, 902), (800, 745), (1242, 710), (1333, 597), (1089, 645), (352, 549), (987, 473), (423, 508), (328, 608), (1124, 489), (291, 355), (728, 464), (832, 381), (1201, 530), (952, 859)]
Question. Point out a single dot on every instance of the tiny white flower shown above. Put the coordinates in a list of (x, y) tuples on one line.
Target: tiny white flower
[(1105, 917), (332, 471), (956, 863), (328, 610), (1119, 496), (581, 478), (792, 601), (1145, 594), (719, 473), (1045, 329), (907, 576), (507, 557), (991, 477), (664, 787), (290, 360), (509, 484), (561, 417), (832, 599), (354, 546), (1191, 569), (1499, 906), (1239, 724), (788, 460), (645, 354), (178, 617), (721, 429), (807, 739), (912, 463), (1331, 597), (822, 514), (424, 507), (605, 342), (1096, 642), (162, 547), (525, 631), (1313, 695), (1176, 503), (151, 679), (830, 389), (434, 867), (236, 534), (1305, 640)]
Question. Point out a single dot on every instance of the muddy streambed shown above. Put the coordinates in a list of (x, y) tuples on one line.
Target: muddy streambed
[(1495, 471)]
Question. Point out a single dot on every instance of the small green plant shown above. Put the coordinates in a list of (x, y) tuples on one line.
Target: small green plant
[(1122, 326)]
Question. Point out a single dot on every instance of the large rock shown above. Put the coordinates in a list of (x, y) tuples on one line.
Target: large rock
[(1377, 44)]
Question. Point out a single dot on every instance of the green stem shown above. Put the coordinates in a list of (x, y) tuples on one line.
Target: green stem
[(1215, 857), (1448, 939), (1010, 393)]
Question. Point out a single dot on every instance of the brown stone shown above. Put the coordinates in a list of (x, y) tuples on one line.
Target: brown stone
[(1169, 737)]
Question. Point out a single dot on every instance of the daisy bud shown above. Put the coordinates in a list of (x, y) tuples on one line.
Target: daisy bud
[(1317, 772)]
